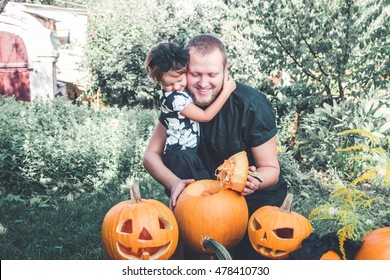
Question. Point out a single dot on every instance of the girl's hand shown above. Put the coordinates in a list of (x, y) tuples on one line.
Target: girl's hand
[(229, 85), (176, 191)]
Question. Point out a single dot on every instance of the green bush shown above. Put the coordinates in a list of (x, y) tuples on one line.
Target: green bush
[(59, 149), (319, 134), (348, 145)]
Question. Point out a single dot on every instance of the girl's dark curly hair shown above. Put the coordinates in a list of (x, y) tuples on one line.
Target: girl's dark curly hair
[(165, 57)]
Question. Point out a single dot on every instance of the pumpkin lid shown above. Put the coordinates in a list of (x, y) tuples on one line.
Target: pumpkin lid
[(233, 173)]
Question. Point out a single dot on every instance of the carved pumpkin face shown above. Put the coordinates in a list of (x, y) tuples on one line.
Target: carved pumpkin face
[(206, 209), (140, 230), (376, 245), (275, 232)]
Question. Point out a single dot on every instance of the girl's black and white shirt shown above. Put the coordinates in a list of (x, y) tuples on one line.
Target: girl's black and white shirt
[(182, 133)]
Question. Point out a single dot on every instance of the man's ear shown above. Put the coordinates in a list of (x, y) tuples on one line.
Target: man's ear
[(226, 71), (226, 68)]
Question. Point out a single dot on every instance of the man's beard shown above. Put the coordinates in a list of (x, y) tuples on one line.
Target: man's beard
[(205, 103)]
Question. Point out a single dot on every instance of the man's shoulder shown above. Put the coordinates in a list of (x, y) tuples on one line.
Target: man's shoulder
[(247, 93)]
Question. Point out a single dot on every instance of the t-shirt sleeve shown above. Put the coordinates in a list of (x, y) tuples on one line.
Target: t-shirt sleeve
[(177, 101), (259, 124)]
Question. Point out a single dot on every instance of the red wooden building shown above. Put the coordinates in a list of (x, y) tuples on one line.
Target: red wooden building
[(33, 65)]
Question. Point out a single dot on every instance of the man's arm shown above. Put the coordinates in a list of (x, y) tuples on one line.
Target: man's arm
[(153, 163), (266, 166)]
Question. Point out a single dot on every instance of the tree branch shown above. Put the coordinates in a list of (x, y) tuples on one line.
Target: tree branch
[(278, 39)]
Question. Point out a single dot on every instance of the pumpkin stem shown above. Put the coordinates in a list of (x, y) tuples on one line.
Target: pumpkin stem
[(219, 250), (135, 195), (287, 203)]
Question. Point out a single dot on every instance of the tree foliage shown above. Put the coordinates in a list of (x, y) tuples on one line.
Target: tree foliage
[(331, 49)]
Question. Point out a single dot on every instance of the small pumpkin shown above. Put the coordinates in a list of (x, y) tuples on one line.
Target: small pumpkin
[(376, 245), (233, 173), (139, 229), (204, 208), (330, 255), (274, 232)]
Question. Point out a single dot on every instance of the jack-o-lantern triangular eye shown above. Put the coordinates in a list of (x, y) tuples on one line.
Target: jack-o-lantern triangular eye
[(145, 235), (127, 226), (255, 225), (284, 233), (164, 223)]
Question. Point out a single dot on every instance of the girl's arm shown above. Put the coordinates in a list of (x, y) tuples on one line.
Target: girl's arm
[(153, 158), (195, 113), (153, 163)]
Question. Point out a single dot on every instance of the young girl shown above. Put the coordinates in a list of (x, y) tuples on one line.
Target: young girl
[(167, 64)]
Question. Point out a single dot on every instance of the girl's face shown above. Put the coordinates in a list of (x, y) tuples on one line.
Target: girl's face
[(174, 81)]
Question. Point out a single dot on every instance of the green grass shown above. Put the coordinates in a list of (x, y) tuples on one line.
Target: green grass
[(66, 230)]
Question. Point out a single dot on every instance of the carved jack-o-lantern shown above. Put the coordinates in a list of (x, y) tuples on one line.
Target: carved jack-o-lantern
[(275, 232), (139, 229)]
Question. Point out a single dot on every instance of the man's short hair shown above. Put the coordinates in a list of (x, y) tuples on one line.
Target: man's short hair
[(207, 43)]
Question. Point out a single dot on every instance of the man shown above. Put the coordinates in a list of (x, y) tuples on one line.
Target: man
[(245, 122)]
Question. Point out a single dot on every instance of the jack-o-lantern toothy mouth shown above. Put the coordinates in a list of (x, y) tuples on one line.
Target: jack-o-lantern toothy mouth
[(270, 252), (147, 252), (141, 250), (281, 233)]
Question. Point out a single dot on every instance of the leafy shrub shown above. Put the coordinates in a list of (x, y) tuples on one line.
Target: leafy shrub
[(348, 144), (319, 134), (58, 149)]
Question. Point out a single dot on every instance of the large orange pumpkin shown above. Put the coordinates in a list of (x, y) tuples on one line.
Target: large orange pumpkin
[(233, 173), (206, 209), (275, 232), (139, 229), (376, 245)]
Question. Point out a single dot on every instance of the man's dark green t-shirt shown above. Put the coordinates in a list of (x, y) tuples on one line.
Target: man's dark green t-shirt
[(246, 120)]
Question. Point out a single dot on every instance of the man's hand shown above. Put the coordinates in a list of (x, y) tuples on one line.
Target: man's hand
[(253, 181)]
